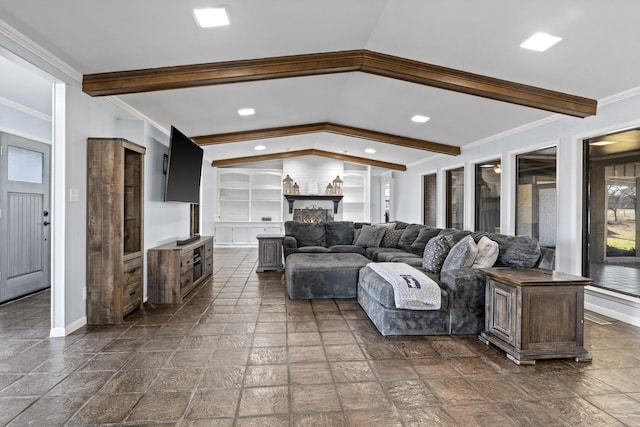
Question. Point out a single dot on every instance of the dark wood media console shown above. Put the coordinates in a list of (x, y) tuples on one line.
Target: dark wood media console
[(175, 270)]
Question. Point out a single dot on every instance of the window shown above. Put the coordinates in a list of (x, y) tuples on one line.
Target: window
[(536, 199), (455, 198), (25, 165), (429, 200), (488, 196)]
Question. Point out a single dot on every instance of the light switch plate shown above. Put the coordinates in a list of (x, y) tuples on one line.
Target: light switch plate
[(74, 195)]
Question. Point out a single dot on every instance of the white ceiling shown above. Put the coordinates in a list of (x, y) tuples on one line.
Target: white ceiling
[(596, 59)]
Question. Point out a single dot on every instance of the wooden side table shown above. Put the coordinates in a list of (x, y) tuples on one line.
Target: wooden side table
[(270, 252), (535, 314)]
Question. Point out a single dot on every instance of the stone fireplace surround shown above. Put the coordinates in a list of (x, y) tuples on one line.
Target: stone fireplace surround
[(312, 214)]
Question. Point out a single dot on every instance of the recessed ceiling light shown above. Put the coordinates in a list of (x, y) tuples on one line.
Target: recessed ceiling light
[(259, 147), (540, 42), (211, 17), (246, 111), (601, 143), (369, 150), (420, 119)]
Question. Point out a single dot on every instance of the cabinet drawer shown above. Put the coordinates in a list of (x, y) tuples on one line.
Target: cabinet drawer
[(208, 266), (132, 271), (131, 296), (208, 250), (186, 262), (186, 280)]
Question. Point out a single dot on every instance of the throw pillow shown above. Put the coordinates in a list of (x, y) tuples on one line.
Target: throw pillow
[(435, 252), (488, 251), (370, 236), (387, 225), (306, 234), (461, 255), (425, 234), (338, 232), (409, 236), (517, 251), (391, 238), (456, 234), (356, 234)]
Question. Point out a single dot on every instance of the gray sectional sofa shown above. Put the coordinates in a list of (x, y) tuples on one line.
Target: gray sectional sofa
[(462, 289)]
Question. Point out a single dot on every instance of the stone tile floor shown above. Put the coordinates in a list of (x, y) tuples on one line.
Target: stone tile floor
[(239, 352)]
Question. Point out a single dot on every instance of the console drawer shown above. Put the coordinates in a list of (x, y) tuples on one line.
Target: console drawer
[(186, 262)]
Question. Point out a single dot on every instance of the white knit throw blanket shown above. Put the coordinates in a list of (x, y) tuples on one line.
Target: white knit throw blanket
[(412, 289)]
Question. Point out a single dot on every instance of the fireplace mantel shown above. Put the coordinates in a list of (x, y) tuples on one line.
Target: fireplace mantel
[(332, 197)]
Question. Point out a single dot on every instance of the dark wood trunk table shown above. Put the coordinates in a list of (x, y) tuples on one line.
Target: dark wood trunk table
[(535, 314)]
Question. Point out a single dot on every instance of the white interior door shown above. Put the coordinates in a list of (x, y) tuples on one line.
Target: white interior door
[(24, 216)]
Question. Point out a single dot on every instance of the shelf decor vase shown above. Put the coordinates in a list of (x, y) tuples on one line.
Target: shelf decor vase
[(287, 185)]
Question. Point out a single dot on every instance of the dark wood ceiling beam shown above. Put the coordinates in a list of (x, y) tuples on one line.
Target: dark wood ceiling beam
[(351, 131), (309, 152), (250, 70), (248, 135), (388, 138), (476, 84), (185, 76)]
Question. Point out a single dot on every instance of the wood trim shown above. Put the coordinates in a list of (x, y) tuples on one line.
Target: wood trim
[(224, 138), (185, 76), (476, 84), (309, 152), (249, 70), (388, 138)]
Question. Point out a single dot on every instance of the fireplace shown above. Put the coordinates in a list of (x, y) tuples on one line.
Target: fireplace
[(312, 214)]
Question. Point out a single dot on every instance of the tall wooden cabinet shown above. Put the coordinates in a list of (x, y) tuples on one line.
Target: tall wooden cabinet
[(115, 218)]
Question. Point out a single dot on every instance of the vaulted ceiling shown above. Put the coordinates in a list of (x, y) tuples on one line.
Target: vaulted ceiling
[(339, 76)]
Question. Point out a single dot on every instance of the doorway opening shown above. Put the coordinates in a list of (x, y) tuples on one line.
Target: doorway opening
[(29, 97), (611, 253)]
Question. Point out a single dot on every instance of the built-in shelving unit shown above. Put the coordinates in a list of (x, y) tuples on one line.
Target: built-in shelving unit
[(249, 203), (355, 187)]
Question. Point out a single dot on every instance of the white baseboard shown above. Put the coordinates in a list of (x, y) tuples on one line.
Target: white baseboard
[(612, 304), (63, 332)]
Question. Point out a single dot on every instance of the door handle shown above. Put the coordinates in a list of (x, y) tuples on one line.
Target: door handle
[(46, 223)]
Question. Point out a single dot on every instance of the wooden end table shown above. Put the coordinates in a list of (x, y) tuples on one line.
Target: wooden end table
[(535, 314), (270, 252)]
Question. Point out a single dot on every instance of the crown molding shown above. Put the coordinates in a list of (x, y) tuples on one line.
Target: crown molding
[(24, 109), (620, 96), (24, 42)]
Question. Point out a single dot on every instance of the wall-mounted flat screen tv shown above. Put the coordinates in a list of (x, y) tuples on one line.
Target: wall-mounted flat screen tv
[(184, 168)]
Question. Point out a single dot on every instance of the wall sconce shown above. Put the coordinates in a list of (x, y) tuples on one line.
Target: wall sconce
[(497, 168)]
